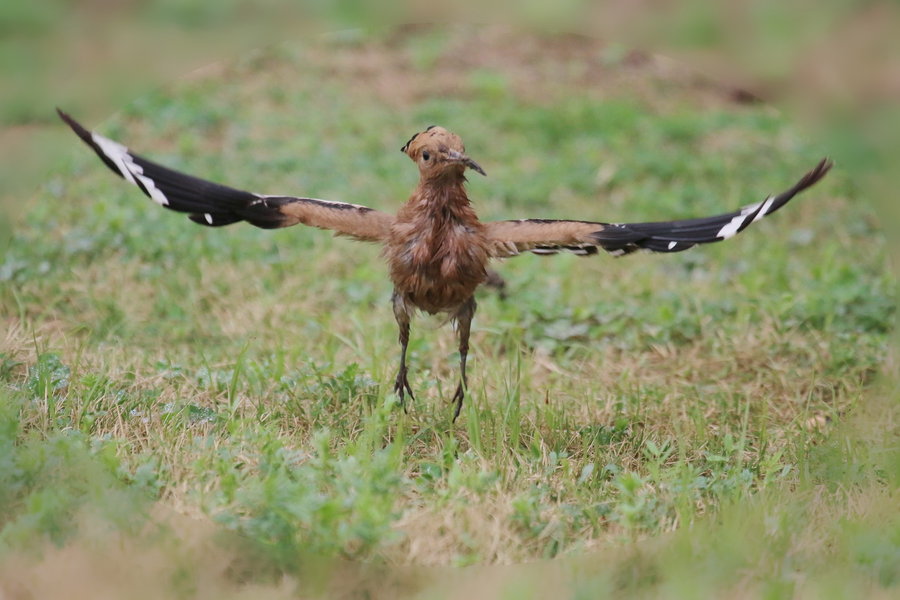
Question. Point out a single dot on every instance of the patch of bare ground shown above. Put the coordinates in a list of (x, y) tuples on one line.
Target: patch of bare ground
[(419, 62)]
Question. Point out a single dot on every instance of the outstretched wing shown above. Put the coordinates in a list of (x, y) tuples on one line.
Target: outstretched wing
[(541, 236), (214, 205)]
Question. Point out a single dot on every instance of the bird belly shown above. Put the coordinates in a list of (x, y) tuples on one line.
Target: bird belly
[(439, 273)]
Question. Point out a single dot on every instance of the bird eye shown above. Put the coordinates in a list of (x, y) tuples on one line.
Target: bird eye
[(425, 156)]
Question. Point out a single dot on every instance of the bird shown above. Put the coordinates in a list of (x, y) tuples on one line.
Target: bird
[(436, 249)]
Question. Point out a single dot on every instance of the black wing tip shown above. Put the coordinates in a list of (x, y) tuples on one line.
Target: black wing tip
[(67, 118), (64, 115), (814, 175), (77, 127)]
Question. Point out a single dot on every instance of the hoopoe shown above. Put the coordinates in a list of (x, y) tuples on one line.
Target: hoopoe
[(436, 248)]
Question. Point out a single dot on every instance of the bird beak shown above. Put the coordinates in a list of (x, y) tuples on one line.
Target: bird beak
[(454, 156)]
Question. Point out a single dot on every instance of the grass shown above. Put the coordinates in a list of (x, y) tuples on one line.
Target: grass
[(218, 401)]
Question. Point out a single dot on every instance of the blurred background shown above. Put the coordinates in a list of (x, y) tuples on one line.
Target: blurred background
[(831, 67)]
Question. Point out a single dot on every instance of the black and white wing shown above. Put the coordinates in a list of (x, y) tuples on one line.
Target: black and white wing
[(214, 205), (543, 236)]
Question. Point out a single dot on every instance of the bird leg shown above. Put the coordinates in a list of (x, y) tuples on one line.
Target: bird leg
[(401, 384), (463, 326)]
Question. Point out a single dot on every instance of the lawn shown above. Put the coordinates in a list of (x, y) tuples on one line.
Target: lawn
[(215, 404)]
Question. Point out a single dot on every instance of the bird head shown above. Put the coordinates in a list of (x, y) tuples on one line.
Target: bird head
[(439, 153)]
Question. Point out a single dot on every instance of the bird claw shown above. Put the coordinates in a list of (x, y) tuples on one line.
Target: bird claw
[(401, 388), (458, 399)]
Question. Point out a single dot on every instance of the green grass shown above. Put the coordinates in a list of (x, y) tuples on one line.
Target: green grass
[(697, 420)]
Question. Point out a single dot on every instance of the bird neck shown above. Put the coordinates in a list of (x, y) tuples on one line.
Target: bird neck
[(442, 195)]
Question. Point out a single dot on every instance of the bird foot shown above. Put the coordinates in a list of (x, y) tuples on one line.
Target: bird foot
[(458, 399), (401, 387)]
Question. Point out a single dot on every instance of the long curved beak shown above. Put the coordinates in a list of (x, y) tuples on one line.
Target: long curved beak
[(455, 156)]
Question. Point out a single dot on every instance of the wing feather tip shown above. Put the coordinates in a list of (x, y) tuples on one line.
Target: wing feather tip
[(74, 125), (814, 175)]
